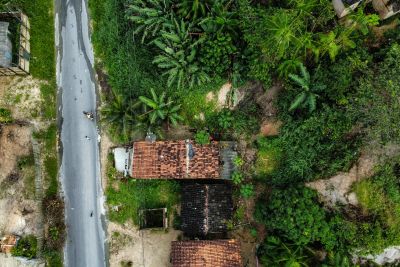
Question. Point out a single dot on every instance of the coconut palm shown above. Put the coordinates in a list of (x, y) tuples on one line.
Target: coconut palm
[(120, 113), (308, 97), (161, 109)]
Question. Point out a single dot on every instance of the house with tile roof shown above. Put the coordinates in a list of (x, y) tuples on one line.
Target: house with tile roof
[(205, 208), (183, 159), (206, 253)]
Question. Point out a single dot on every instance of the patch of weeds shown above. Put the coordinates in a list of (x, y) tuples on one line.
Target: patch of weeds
[(51, 167), (48, 93), (17, 99), (26, 247), (267, 158), (5, 115)]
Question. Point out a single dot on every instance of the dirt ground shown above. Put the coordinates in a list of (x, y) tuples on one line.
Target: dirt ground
[(18, 211), (8, 261), (146, 248)]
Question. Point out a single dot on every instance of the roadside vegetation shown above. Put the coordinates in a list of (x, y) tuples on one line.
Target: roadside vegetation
[(339, 98), (42, 67)]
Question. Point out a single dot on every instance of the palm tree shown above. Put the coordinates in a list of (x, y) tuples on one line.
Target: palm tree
[(178, 56), (307, 97), (120, 114), (161, 109)]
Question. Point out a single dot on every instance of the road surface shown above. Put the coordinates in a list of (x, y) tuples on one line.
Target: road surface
[(80, 166)]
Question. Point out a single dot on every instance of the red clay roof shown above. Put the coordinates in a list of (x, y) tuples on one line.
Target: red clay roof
[(206, 253), (169, 159)]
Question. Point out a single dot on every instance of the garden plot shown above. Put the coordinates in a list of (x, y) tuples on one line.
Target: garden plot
[(18, 210)]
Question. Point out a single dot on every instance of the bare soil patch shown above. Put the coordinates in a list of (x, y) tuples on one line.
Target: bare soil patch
[(18, 210), (146, 248)]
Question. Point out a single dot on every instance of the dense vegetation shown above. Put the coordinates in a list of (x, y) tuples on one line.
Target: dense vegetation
[(341, 96)]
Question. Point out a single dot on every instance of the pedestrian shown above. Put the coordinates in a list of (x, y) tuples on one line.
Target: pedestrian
[(87, 137)]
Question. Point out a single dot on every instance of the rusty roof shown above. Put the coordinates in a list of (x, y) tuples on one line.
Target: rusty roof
[(175, 159), (206, 253)]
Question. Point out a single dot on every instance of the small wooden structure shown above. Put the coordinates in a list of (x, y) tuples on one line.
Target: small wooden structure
[(20, 65), (7, 243), (153, 218)]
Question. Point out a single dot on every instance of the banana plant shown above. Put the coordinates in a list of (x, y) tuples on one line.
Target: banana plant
[(178, 56), (161, 109), (150, 17)]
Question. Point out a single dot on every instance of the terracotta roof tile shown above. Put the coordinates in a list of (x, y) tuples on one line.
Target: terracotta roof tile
[(206, 253), (169, 159)]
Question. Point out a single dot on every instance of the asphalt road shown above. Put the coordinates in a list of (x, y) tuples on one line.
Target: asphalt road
[(80, 167)]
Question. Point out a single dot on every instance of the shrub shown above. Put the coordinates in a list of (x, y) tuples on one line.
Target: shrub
[(5, 115), (202, 137), (247, 190), (26, 247), (295, 214), (237, 178)]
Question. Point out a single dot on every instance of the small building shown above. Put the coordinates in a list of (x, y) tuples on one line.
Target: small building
[(7, 243), (206, 253), (14, 52), (122, 159), (205, 208), (182, 159), (153, 218), (385, 8)]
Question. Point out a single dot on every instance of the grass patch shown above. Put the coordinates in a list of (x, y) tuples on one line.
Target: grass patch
[(379, 198), (51, 167), (47, 92), (129, 196), (26, 167)]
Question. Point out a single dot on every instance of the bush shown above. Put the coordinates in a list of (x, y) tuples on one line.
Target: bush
[(295, 214), (202, 137), (315, 147), (26, 247), (5, 115), (247, 190)]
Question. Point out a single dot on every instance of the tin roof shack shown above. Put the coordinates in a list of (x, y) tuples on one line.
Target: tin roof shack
[(385, 8), (182, 160), (7, 243), (15, 51), (5, 45), (205, 208), (206, 253)]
